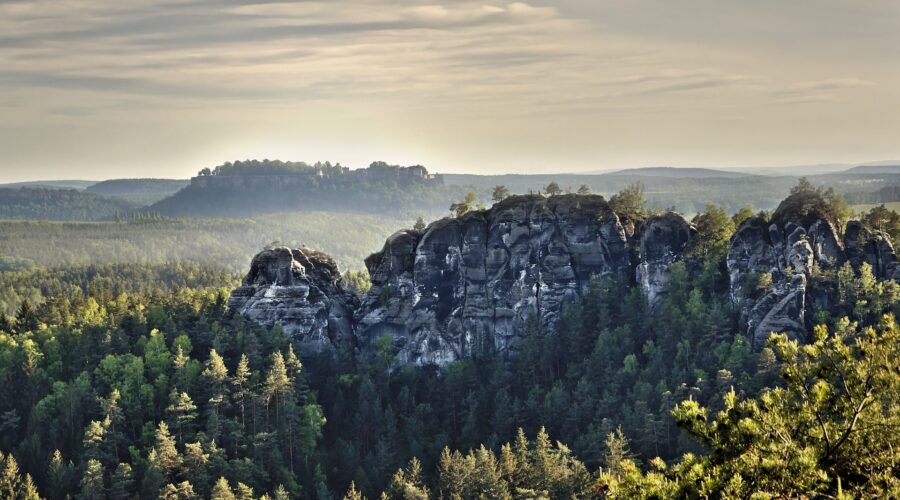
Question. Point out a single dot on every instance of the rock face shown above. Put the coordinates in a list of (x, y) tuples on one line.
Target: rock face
[(478, 284), (770, 267), (469, 286), (664, 240), (300, 290), (864, 246)]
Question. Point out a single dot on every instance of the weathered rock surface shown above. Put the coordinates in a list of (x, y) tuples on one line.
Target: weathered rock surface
[(770, 267), (864, 246), (664, 240), (468, 286), (300, 290), (475, 285)]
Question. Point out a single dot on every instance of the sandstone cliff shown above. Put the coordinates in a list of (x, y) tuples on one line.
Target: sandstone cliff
[(299, 290), (474, 285)]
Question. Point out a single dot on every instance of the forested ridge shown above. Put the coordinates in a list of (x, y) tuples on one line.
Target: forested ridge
[(134, 380), (58, 204)]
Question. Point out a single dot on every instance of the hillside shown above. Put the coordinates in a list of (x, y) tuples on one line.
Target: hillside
[(138, 191), (875, 169), (58, 204), (677, 172), (60, 184), (250, 188)]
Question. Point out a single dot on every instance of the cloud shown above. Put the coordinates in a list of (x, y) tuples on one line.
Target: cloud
[(573, 78), (818, 91)]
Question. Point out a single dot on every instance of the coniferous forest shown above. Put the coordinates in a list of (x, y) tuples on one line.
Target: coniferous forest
[(449, 250), (136, 381)]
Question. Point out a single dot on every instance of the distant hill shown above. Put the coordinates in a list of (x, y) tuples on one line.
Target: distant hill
[(248, 188), (678, 172), (58, 204), (875, 169), (139, 191), (61, 184)]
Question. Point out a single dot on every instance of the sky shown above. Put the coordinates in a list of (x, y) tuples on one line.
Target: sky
[(98, 89)]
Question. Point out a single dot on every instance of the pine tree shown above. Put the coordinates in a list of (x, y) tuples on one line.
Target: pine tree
[(92, 481), (277, 384), (616, 452), (93, 440), (353, 493), (26, 317), (240, 382), (222, 491), (121, 483), (182, 411), (59, 477), (166, 456), (243, 492), (9, 476), (112, 422)]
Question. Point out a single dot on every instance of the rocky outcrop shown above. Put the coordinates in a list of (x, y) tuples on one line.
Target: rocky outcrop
[(476, 285), (771, 266), (864, 246), (469, 286), (299, 290), (664, 240)]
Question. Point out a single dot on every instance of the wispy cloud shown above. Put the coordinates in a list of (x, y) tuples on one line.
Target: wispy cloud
[(464, 76), (818, 91)]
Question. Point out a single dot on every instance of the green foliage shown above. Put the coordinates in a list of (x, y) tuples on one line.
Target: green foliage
[(630, 202), (357, 281), (714, 228), (155, 395), (227, 244), (827, 431), (807, 202), (881, 219), (553, 189), (251, 188), (137, 379), (58, 204), (462, 208), (499, 193), (741, 215)]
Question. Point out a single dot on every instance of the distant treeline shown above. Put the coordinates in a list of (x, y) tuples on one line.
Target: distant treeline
[(58, 204), (105, 282), (271, 167), (228, 244), (886, 194), (138, 191)]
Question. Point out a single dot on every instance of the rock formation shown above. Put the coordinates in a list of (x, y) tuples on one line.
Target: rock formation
[(664, 240), (299, 290), (468, 286), (476, 285), (771, 264)]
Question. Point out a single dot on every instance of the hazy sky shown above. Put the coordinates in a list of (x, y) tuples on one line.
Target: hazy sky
[(127, 88)]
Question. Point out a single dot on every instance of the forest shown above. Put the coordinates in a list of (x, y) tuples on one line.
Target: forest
[(130, 380), (225, 243), (34, 203)]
